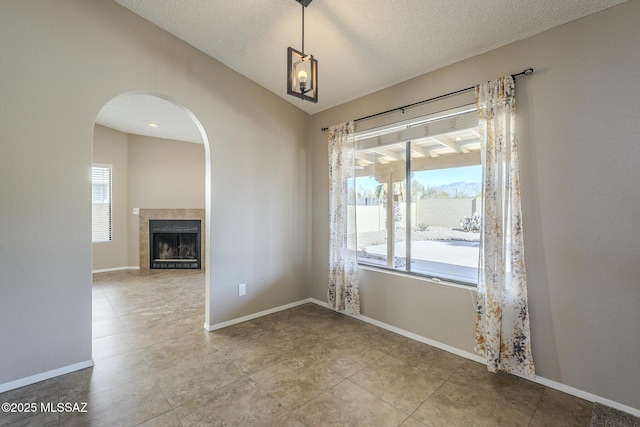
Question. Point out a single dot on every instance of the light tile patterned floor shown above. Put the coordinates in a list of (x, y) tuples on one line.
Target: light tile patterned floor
[(307, 366)]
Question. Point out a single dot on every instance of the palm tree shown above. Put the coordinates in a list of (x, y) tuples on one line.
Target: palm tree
[(380, 192)]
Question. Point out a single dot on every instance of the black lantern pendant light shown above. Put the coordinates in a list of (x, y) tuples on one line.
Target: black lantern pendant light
[(302, 69)]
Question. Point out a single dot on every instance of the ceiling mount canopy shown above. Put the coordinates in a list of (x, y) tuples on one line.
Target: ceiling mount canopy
[(302, 69)]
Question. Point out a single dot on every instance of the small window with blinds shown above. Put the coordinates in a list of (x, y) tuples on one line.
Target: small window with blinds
[(101, 203)]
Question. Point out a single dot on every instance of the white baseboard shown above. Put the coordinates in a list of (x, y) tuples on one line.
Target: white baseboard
[(587, 396), (411, 335), (106, 270), (45, 376), (318, 302), (477, 358), (210, 328)]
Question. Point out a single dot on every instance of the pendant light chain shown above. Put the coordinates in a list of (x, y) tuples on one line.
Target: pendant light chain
[(303, 29)]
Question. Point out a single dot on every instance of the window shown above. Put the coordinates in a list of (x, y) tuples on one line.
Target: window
[(418, 196), (101, 203)]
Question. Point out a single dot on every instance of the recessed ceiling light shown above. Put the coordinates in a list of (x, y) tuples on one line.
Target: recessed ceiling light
[(153, 125)]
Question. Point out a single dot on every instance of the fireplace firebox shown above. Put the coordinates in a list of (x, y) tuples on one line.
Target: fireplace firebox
[(174, 244)]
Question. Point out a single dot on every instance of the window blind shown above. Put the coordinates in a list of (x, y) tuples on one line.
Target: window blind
[(101, 203)]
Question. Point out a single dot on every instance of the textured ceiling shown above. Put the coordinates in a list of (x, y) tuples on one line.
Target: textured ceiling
[(361, 45)]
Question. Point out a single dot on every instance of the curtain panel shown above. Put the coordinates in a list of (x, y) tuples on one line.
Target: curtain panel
[(342, 293), (503, 334)]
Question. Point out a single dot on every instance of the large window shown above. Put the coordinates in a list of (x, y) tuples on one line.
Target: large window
[(101, 203), (418, 196)]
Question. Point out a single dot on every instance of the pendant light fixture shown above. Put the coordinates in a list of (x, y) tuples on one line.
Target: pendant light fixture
[(302, 69)]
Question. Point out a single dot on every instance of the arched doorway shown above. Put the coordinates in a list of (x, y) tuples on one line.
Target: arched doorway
[(159, 154)]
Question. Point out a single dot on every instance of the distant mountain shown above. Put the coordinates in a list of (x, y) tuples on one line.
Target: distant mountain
[(461, 189)]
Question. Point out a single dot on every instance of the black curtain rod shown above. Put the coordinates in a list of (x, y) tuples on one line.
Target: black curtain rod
[(526, 72)]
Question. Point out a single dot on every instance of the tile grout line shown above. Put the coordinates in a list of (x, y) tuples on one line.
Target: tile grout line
[(537, 404)]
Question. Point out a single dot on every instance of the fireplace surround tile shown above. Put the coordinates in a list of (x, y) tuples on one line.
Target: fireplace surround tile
[(143, 224)]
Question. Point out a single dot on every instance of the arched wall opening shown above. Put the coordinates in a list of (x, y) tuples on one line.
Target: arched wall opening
[(145, 120)]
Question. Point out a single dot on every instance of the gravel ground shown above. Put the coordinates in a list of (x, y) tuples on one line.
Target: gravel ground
[(432, 233)]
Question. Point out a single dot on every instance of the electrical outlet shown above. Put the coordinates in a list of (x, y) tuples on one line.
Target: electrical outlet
[(136, 211), (242, 289)]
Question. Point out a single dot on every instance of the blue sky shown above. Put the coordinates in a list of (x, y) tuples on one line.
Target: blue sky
[(435, 178)]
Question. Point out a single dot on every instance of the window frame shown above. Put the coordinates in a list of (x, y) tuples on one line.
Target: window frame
[(105, 232), (406, 270)]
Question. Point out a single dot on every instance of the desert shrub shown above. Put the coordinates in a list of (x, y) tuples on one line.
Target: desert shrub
[(423, 227), (471, 223)]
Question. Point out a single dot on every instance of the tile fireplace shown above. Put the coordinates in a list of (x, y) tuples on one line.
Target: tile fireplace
[(175, 244), (145, 242)]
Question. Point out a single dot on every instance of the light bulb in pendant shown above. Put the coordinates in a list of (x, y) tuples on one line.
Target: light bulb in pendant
[(302, 78)]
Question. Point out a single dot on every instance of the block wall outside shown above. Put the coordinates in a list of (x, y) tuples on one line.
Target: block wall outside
[(432, 212), (445, 212)]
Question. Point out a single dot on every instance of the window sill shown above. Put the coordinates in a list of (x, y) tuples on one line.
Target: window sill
[(420, 277)]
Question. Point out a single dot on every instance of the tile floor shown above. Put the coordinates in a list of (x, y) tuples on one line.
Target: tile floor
[(307, 366)]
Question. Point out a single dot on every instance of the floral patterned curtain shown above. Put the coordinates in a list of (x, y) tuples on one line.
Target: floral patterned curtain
[(503, 336), (343, 268)]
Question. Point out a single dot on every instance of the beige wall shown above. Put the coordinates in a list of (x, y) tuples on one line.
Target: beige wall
[(147, 173), (110, 146), (579, 133), (163, 174), (62, 60)]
